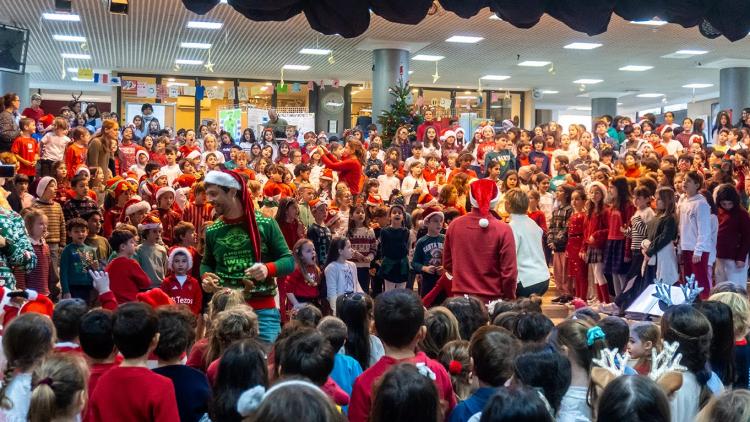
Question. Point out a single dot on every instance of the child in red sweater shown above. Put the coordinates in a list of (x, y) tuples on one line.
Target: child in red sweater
[(276, 185), (185, 237), (303, 285), (179, 284), (127, 278), (167, 215), (399, 322), (132, 392), (43, 275)]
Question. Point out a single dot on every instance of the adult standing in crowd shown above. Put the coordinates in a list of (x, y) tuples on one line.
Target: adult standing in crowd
[(349, 167), (276, 123), (428, 122), (488, 272), (100, 150), (8, 125), (244, 250), (35, 111)]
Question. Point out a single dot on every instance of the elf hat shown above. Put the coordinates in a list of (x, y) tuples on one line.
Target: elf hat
[(163, 190), (117, 185), (179, 250), (315, 203), (374, 200), (232, 180), (426, 200), (149, 222), (327, 174), (484, 196), (431, 211), (135, 205), (42, 185), (155, 298)]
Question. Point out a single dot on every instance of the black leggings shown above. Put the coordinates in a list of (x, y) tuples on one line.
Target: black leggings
[(363, 276), (538, 288)]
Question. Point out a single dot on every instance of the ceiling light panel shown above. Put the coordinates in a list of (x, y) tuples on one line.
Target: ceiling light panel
[(464, 39), (69, 38), (315, 51), (635, 68), (76, 56), (582, 46), (427, 58), (650, 22), (650, 95), (188, 61), (204, 25), (534, 63), (198, 45), (296, 67), (587, 81), (698, 86), (61, 17), (495, 77)]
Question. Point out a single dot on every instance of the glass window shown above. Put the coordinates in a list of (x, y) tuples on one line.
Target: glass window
[(294, 95), (439, 101), (130, 97), (184, 104), (470, 102), (255, 94), (504, 105), (221, 91), (361, 104)]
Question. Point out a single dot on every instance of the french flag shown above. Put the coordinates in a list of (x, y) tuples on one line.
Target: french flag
[(101, 78)]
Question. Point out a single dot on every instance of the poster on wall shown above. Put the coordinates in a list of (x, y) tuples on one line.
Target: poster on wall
[(304, 122), (256, 118), (129, 86), (160, 113), (231, 121)]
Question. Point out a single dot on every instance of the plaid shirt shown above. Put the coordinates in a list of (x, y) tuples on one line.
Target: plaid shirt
[(558, 228)]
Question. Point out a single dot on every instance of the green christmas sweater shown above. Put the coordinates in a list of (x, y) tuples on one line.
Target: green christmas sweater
[(18, 251), (229, 252)]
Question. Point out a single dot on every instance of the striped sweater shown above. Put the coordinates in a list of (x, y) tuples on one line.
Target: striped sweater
[(197, 214), (56, 224)]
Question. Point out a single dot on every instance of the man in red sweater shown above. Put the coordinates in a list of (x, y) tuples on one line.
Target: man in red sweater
[(488, 272), (132, 392)]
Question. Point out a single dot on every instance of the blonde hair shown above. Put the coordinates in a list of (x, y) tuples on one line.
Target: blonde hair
[(56, 387), (740, 307), (458, 351), (231, 325), (730, 406), (61, 123), (518, 201)]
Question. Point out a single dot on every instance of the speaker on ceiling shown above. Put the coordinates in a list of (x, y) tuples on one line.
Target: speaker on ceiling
[(119, 7), (63, 6)]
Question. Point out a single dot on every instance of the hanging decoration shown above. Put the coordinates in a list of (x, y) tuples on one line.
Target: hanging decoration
[(436, 75), (62, 75), (209, 64), (310, 85)]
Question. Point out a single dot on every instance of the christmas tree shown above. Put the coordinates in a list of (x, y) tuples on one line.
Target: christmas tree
[(401, 113)]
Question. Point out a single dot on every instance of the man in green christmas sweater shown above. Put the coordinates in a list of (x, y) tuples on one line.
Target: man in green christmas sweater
[(244, 250)]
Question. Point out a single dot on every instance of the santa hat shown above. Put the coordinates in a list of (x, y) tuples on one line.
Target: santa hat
[(232, 180), (47, 120), (184, 181), (163, 190), (484, 195), (460, 129), (83, 169), (149, 222), (374, 200), (159, 175), (41, 186), (193, 155), (332, 217), (447, 134), (39, 304), (327, 174), (117, 185), (140, 152), (179, 250), (155, 298), (135, 205), (426, 200), (315, 203), (431, 211), (599, 185)]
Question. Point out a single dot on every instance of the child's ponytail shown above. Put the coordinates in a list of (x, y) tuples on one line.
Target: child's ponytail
[(56, 387)]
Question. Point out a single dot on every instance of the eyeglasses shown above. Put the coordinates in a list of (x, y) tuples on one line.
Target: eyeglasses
[(354, 296)]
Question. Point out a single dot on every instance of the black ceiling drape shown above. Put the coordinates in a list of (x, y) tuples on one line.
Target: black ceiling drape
[(350, 18)]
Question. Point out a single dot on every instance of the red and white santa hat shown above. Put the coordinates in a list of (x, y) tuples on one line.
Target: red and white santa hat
[(431, 211), (41, 186), (179, 250), (484, 196), (315, 203), (374, 200), (447, 134), (460, 129), (83, 169), (163, 190), (332, 217), (140, 152), (39, 304), (193, 155), (155, 298), (426, 200), (601, 187), (135, 205), (327, 174), (184, 181), (149, 222)]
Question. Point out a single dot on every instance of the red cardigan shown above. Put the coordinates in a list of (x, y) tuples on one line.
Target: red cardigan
[(127, 279), (349, 171), (488, 271), (733, 240)]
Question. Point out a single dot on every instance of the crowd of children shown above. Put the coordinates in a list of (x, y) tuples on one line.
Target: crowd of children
[(132, 331)]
